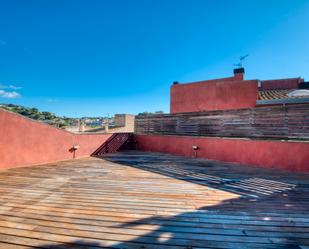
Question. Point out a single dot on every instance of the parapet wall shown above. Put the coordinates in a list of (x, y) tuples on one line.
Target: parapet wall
[(291, 83), (293, 156), (26, 142)]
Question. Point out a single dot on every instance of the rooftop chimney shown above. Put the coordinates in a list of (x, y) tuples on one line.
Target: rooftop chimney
[(239, 73)]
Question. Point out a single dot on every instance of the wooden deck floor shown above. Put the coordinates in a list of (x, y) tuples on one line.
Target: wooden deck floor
[(148, 200)]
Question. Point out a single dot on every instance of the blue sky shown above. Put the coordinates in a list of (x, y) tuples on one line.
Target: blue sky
[(93, 57)]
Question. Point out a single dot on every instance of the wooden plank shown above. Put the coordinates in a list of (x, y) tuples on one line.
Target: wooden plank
[(142, 200)]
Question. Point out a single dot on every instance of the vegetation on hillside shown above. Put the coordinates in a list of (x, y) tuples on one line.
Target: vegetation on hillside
[(150, 113), (46, 117)]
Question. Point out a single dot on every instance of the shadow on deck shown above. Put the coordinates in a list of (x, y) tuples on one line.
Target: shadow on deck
[(242, 207)]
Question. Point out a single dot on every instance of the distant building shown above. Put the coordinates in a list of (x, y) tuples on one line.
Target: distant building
[(120, 123), (235, 93), (123, 123)]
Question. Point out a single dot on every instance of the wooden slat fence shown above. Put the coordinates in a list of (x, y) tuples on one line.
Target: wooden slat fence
[(280, 122)]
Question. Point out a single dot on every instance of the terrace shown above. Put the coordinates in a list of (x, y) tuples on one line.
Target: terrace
[(150, 200), (244, 182)]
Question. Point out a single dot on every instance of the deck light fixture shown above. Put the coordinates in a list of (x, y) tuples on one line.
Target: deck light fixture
[(195, 148), (74, 149)]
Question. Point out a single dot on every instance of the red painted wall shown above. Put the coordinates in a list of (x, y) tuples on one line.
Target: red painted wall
[(292, 156), (291, 83), (213, 95), (26, 142)]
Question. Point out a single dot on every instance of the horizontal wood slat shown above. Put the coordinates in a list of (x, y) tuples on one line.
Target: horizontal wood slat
[(135, 200), (281, 122)]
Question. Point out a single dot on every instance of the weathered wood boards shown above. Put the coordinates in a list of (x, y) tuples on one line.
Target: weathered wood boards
[(150, 200), (281, 122)]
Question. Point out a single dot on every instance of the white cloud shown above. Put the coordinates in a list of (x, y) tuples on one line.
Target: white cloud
[(13, 87), (9, 95)]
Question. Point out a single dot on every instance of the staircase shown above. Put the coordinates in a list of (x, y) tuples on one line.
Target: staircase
[(113, 144)]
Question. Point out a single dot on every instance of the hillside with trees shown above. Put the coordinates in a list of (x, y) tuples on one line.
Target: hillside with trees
[(43, 116)]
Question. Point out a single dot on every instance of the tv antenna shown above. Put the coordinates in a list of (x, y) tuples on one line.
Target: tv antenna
[(241, 59)]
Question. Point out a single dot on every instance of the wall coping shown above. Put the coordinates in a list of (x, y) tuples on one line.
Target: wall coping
[(232, 138)]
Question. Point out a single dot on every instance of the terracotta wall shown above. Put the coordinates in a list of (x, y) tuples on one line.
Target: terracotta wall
[(292, 156), (213, 95), (27, 142), (291, 83)]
